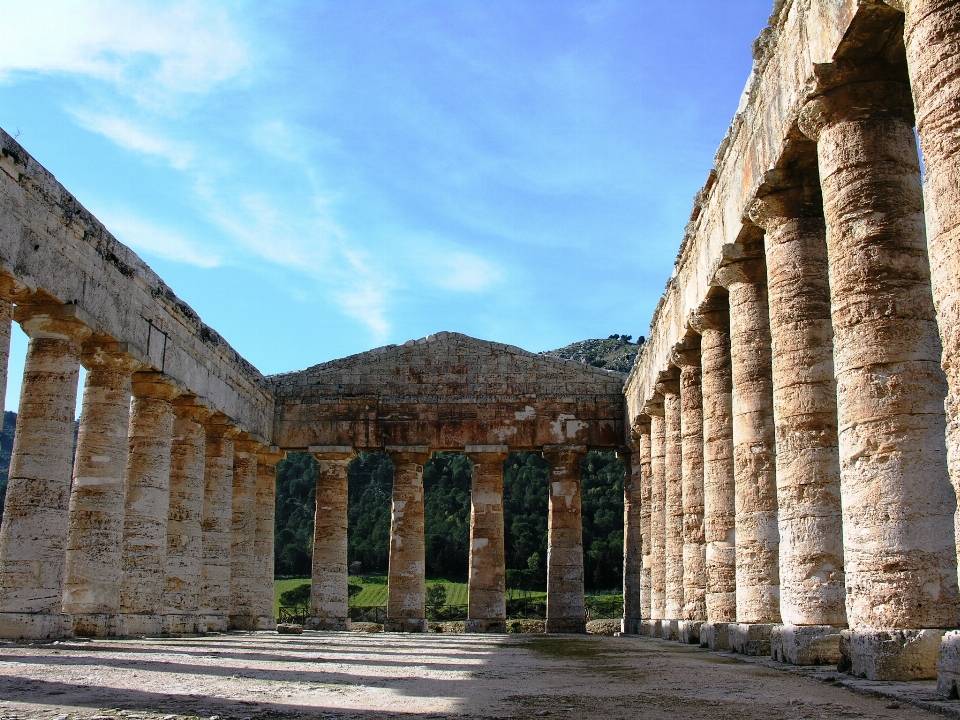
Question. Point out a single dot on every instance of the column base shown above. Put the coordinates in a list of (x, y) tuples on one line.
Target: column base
[(134, 624), (948, 666), (242, 622), (670, 629), (632, 626), (214, 623), (654, 628), (890, 654), (715, 635), (34, 626), (326, 623), (751, 638), (408, 625), (566, 625), (805, 644), (485, 625), (690, 631), (266, 622), (184, 624)]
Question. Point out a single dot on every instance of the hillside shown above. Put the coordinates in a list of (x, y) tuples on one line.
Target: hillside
[(6, 447), (614, 353)]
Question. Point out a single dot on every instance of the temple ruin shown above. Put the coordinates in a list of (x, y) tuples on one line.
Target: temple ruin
[(791, 426)]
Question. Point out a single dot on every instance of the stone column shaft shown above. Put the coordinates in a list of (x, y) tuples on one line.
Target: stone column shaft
[(805, 407), (406, 591), (658, 491), (328, 597), (95, 527), (263, 547), (35, 520), (6, 324), (673, 500), (898, 503), (754, 443), (632, 539), (184, 570), (217, 519), (645, 537), (147, 504), (487, 610), (566, 611), (243, 534)]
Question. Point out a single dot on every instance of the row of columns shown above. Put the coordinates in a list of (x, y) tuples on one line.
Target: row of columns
[(798, 444), (406, 607), (160, 522)]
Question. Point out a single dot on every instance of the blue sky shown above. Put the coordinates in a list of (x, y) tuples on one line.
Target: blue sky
[(320, 178)]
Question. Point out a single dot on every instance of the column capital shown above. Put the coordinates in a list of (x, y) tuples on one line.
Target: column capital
[(654, 406), (109, 356), (487, 453), (668, 382), (219, 425), (246, 444), (802, 201), (712, 314), (332, 452), (152, 384), (11, 289), (686, 353), (187, 406), (564, 454), (417, 454), (271, 454), (60, 322), (868, 92), (742, 271)]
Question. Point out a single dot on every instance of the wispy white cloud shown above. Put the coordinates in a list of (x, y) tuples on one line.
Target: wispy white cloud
[(151, 239), (148, 50), (132, 136)]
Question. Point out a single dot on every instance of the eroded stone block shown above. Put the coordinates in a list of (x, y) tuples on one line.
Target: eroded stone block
[(805, 644), (890, 654)]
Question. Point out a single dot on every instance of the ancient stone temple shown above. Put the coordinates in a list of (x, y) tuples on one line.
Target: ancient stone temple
[(791, 427)]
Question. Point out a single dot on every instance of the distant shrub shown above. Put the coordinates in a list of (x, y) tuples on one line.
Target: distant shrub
[(296, 597)]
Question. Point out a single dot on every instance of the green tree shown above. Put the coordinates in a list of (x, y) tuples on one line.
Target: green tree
[(446, 515)]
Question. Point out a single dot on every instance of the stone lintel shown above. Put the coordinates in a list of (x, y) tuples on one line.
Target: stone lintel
[(751, 638), (805, 644), (689, 631), (670, 630), (333, 452), (890, 654), (715, 635), (486, 449), (75, 313), (415, 449)]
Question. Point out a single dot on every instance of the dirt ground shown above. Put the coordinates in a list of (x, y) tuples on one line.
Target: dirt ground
[(354, 675)]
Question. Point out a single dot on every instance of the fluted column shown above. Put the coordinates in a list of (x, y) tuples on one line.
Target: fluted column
[(184, 569), (34, 531), (658, 491), (147, 505), (805, 413), (263, 543), (754, 453), (406, 589), (686, 356), (91, 592), (566, 611), (243, 572), (669, 387), (712, 321), (328, 596), (633, 545), (898, 503), (217, 519), (487, 611)]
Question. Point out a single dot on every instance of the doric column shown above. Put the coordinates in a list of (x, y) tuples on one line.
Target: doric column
[(91, 592), (328, 596), (566, 611), (633, 545), (898, 503), (147, 490), (184, 569), (712, 321), (34, 531), (645, 538), (243, 571), (263, 543), (686, 356), (668, 385), (658, 491), (805, 413), (487, 610), (932, 35), (406, 588), (754, 455), (217, 519)]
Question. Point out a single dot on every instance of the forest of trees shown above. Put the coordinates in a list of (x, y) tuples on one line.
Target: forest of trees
[(446, 480)]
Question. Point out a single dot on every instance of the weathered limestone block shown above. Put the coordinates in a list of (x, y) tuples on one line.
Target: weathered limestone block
[(932, 36), (147, 505), (91, 592), (566, 611), (687, 357), (184, 570), (645, 482), (658, 490), (948, 666), (263, 543), (805, 644), (328, 595), (406, 590), (669, 387), (243, 534), (719, 498), (35, 519), (487, 611), (905, 654), (750, 638), (715, 635), (754, 459), (898, 503), (217, 518), (632, 540)]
